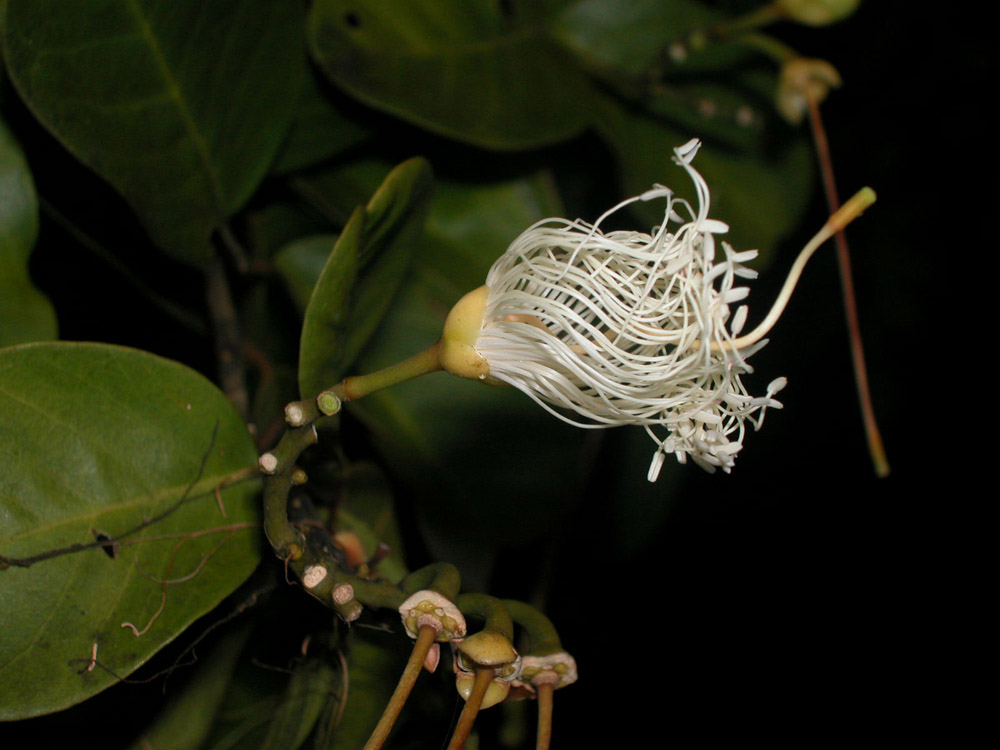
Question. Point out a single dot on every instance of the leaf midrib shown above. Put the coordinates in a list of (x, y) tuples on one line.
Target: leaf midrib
[(174, 92), (204, 488)]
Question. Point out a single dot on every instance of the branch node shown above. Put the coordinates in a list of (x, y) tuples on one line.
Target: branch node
[(268, 463), (295, 415), (313, 575), (328, 403), (342, 593)]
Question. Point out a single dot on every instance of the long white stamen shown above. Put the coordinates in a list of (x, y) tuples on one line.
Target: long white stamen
[(611, 329)]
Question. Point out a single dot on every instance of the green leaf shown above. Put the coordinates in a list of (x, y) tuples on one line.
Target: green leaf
[(458, 68), (97, 442), (301, 264), (187, 719), (628, 37), (325, 325), (180, 104), (25, 313), (375, 247), (643, 50), (301, 706)]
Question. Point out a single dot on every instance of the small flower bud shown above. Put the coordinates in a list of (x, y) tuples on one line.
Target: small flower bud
[(559, 668), (495, 693), (804, 80), (818, 12), (431, 608), (488, 648)]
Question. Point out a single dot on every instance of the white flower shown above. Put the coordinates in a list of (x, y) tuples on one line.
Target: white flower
[(624, 327)]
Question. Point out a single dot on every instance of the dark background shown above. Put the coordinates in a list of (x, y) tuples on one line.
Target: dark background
[(801, 599)]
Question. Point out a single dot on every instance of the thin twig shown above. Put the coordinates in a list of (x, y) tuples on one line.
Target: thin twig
[(24, 562), (874, 437), (225, 325), (165, 581)]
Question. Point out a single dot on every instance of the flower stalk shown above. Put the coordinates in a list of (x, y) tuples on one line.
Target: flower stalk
[(876, 448), (463, 728), (421, 647), (545, 667), (543, 736)]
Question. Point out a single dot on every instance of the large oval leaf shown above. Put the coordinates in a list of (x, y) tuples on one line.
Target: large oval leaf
[(460, 68), (644, 50), (95, 442), (180, 104), (25, 313)]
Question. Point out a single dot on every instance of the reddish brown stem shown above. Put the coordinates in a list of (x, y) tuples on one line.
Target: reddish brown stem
[(874, 437)]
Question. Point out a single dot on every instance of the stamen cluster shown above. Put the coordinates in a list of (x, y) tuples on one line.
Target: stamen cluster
[(606, 329)]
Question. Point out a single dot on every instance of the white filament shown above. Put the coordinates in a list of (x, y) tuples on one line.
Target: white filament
[(610, 329)]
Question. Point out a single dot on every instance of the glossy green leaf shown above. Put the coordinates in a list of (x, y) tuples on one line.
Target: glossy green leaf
[(325, 326), (95, 442), (460, 68), (375, 248), (643, 50), (187, 719), (615, 37), (301, 264), (25, 313), (180, 104)]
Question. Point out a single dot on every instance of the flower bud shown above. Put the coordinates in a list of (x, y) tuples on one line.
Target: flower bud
[(804, 80), (818, 12)]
